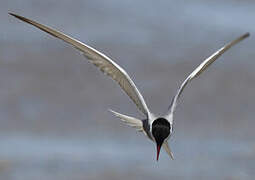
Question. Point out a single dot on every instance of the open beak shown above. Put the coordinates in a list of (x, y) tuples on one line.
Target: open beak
[(158, 151)]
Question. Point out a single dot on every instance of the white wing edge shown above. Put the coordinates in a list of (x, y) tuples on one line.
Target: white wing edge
[(92, 53), (204, 65)]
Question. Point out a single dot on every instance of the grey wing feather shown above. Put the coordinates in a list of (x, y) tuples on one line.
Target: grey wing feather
[(204, 65), (104, 63)]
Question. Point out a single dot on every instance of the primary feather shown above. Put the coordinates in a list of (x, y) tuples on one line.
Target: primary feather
[(104, 63), (202, 67)]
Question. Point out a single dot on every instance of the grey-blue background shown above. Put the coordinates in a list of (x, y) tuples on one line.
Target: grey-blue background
[(54, 123)]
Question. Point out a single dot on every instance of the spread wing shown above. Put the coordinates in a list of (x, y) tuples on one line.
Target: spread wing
[(205, 64), (104, 63)]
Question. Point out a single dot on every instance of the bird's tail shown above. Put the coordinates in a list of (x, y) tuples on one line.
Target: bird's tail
[(131, 121), (168, 150)]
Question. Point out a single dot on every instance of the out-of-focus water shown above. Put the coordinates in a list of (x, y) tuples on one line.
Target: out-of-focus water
[(54, 123), (49, 158)]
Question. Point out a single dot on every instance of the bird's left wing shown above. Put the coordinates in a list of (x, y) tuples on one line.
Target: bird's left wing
[(104, 63), (205, 64)]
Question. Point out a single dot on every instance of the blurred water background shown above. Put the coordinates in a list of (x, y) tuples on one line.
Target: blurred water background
[(54, 123)]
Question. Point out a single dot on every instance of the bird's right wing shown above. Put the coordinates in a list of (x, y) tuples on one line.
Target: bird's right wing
[(104, 63), (204, 65)]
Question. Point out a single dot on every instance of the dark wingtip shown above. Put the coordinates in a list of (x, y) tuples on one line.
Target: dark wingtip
[(17, 16), (12, 14), (246, 35)]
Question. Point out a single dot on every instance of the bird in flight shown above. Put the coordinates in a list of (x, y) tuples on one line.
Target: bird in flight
[(157, 128)]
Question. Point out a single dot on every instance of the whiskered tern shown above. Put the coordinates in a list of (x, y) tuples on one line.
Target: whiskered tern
[(157, 128)]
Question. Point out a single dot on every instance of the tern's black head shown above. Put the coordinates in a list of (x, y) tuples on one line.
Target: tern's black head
[(160, 131)]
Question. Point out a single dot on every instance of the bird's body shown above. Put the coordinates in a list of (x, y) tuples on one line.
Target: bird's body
[(157, 128)]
